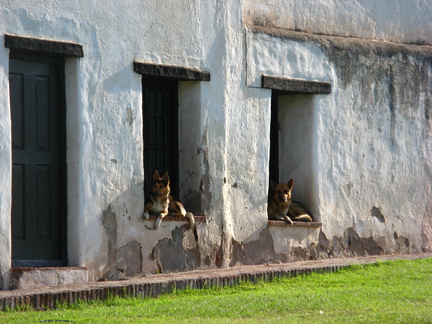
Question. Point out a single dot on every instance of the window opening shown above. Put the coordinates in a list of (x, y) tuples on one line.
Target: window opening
[(291, 145), (162, 121), (292, 137), (160, 117)]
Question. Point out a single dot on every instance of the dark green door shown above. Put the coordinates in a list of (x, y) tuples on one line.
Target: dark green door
[(38, 162)]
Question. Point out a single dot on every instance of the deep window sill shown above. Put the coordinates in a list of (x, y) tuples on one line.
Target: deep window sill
[(294, 224), (176, 218)]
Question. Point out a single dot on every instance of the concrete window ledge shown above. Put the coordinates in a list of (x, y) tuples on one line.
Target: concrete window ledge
[(294, 224), (176, 218)]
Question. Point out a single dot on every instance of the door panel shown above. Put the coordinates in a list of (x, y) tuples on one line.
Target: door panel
[(18, 231), (37, 187)]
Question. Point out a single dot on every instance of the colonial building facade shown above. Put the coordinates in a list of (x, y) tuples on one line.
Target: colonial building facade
[(224, 95)]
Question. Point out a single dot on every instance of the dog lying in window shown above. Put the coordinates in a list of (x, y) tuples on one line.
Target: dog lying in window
[(159, 201), (281, 207)]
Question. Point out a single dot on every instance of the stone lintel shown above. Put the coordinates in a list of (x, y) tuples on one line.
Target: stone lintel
[(43, 46), (170, 71), (295, 86)]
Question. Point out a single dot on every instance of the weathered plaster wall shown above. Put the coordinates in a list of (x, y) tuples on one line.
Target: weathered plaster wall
[(382, 177), (5, 175), (105, 172), (375, 125), (277, 244), (400, 21), (104, 127), (368, 152), (370, 166)]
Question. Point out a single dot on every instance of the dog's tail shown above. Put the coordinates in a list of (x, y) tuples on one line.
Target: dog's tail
[(192, 224), (297, 212), (179, 208), (302, 218)]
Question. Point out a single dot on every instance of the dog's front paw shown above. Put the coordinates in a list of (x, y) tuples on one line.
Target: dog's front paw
[(146, 215), (157, 222), (288, 220)]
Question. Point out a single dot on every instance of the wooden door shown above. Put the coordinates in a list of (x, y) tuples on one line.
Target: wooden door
[(38, 209)]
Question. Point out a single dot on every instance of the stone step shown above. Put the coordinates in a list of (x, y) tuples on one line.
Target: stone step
[(34, 277)]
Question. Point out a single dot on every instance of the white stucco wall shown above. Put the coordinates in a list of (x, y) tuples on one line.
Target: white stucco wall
[(358, 159), (104, 119), (370, 137), (5, 174), (401, 21)]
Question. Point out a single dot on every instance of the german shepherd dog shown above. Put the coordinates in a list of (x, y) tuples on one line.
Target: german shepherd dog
[(281, 206), (160, 202)]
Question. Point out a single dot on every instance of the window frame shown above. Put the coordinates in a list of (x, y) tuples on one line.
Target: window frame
[(281, 86), (167, 73)]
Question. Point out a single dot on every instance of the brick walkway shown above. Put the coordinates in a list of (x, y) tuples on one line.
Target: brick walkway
[(154, 285)]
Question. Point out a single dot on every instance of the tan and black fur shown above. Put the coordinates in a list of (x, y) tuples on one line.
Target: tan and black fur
[(281, 207), (159, 201)]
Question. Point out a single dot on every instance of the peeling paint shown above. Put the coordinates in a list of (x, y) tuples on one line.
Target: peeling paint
[(122, 261), (219, 257), (129, 117), (110, 224), (171, 255), (350, 244), (129, 260), (255, 252), (402, 243), (376, 212), (263, 249)]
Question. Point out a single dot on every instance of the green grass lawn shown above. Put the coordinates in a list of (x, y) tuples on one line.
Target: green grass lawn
[(386, 292)]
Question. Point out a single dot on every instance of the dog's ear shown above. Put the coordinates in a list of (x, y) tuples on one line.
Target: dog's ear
[(273, 184), (290, 184), (166, 178), (156, 175)]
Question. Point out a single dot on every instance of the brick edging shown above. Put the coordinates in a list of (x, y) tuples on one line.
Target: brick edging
[(154, 285), (49, 300)]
